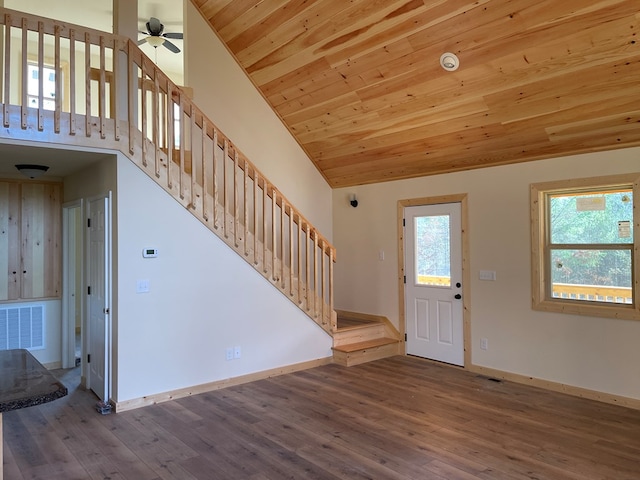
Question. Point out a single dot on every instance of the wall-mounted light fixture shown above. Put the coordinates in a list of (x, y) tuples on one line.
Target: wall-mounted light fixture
[(353, 201), (31, 171)]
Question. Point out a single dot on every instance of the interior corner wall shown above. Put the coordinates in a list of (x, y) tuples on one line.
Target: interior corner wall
[(203, 298), (225, 94), (599, 354)]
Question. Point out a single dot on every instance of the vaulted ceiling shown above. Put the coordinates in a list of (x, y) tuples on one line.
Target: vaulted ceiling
[(360, 85)]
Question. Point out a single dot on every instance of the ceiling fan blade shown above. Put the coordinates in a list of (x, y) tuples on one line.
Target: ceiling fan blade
[(154, 26), (140, 42), (177, 36), (171, 46)]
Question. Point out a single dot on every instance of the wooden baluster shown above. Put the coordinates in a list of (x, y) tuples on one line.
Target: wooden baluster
[(315, 274), (308, 267), (183, 142), (102, 88), (236, 212), (225, 157), (283, 210), (215, 178), (331, 256), (265, 199), (274, 243), (192, 194), (300, 252), (115, 91), (143, 108), (322, 285), (87, 84), (72, 82), (7, 70), (246, 208), (155, 124), (58, 81), (132, 89), (291, 247), (25, 76), (171, 140), (205, 170), (256, 217), (40, 76)]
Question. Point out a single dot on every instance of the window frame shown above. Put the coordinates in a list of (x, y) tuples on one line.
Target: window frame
[(540, 241)]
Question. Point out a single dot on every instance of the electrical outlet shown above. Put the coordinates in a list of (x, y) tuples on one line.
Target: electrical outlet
[(229, 353), (484, 344), (237, 353)]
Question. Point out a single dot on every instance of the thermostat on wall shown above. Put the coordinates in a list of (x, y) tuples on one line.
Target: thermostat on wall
[(150, 252)]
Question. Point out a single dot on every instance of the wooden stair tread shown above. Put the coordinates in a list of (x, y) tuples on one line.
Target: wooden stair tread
[(376, 342)]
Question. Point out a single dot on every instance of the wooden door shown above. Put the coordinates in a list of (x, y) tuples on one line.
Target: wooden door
[(433, 289), (10, 272)]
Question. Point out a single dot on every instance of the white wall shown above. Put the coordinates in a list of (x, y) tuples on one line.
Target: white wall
[(203, 299), (594, 353), (226, 95)]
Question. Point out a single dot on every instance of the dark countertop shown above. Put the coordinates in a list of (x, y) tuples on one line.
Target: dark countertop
[(24, 382)]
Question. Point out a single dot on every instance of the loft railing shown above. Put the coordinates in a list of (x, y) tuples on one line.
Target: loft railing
[(67, 84)]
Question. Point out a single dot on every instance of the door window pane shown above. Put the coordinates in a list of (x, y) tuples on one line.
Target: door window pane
[(433, 250)]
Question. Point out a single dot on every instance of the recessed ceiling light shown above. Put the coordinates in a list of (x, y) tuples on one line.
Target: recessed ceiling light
[(449, 61)]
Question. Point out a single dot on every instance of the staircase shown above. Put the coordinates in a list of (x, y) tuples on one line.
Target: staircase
[(361, 338), (117, 99)]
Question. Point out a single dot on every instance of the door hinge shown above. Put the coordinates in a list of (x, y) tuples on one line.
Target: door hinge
[(405, 337), (88, 223), (88, 358), (405, 279), (89, 290), (404, 224)]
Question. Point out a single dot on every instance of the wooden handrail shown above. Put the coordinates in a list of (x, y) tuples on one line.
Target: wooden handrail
[(186, 154)]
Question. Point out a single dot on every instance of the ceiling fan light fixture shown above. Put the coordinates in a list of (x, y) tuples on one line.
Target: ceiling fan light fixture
[(449, 61), (31, 171), (155, 42)]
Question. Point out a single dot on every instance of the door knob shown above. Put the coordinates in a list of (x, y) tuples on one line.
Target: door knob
[(458, 296)]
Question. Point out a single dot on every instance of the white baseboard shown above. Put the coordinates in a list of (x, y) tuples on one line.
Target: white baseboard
[(217, 385)]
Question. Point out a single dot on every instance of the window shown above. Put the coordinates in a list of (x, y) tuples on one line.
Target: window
[(583, 246), (48, 84)]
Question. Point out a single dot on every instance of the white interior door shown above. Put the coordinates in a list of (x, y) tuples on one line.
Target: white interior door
[(98, 282), (433, 287)]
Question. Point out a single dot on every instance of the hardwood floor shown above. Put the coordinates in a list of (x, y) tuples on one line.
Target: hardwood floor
[(396, 418)]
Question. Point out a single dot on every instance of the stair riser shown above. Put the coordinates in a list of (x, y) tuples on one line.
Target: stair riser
[(362, 334), (363, 356)]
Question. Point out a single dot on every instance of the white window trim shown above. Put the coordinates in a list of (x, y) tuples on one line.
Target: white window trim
[(540, 299)]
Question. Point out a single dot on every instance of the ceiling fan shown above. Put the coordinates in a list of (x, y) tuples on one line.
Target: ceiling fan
[(156, 37)]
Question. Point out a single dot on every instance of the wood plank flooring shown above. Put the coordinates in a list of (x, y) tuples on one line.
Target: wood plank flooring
[(396, 418)]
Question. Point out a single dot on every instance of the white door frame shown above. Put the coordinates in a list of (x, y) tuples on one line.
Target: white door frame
[(70, 281), (466, 315), (108, 296)]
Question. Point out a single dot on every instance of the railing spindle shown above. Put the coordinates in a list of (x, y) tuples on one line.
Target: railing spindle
[(307, 266), (246, 209), (115, 66), (183, 141), (155, 124), (282, 249), (102, 82), (236, 212), (205, 170), (25, 76), (225, 158), (291, 247), (171, 134), (265, 199), (72, 85), (40, 76), (132, 89), (87, 84), (274, 244), (192, 194), (256, 192), (7, 70), (143, 108), (215, 178), (58, 81)]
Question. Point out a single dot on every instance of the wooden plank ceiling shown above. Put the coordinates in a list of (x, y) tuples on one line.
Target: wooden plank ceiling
[(359, 83)]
